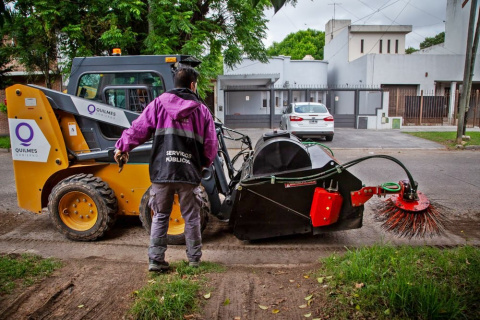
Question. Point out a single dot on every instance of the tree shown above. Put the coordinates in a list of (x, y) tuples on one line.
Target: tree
[(431, 41), (207, 29), (277, 4), (299, 44), (46, 30), (410, 50)]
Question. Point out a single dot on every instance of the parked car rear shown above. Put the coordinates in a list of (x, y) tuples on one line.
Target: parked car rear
[(308, 119)]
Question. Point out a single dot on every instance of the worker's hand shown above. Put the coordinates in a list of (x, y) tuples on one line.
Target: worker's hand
[(121, 158)]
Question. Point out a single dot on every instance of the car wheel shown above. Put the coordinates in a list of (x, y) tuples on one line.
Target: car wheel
[(329, 138)]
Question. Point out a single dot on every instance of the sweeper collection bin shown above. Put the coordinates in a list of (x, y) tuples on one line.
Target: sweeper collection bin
[(288, 187)]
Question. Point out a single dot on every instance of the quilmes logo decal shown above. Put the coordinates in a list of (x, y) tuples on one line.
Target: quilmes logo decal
[(92, 110), (100, 111), (28, 141), (24, 133)]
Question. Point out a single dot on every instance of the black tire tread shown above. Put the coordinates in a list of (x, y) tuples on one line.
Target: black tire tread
[(87, 182)]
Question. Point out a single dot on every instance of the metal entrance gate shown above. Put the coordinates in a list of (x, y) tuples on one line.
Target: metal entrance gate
[(253, 107)]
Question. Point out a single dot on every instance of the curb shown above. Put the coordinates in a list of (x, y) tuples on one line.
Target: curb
[(6, 150)]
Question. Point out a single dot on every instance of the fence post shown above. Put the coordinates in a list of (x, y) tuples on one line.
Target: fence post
[(475, 108), (421, 106)]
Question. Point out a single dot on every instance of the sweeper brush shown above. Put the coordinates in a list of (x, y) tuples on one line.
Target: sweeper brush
[(410, 218), (407, 212)]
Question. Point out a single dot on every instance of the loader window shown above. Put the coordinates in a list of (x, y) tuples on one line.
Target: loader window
[(92, 86)]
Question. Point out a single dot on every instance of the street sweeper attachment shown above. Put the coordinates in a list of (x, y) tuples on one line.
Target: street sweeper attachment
[(289, 187)]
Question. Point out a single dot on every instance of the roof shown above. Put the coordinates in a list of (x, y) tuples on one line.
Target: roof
[(382, 28)]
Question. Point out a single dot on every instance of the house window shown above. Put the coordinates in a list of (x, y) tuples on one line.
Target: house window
[(380, 45), (396, 46), (361, 46), (388, 46)]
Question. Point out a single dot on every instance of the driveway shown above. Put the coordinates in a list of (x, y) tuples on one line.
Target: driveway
[(349, 138)]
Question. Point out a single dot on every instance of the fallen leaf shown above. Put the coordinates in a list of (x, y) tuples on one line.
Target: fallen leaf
[(152, 281), (387, 312), (263, 307), (357, 307), (316, 319), (306, 276), (280, 272), (292, 281), (162, 299), (226, 302), (135, 292), (81, 306), (188, 316), (320, 280), (329, 277), (356, 295), (309, 302), (308, 297), (359, 285), (207, 296), (275, 311), (308, 315), (237, 318), (303, 306)]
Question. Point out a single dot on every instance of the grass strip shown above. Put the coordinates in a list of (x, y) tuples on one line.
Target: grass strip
[(447, 138), (386, 282), (174, 294), (5, 142), (25, 270)]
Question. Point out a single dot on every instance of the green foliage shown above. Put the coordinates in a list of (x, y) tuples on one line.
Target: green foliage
[(299, 44), (431, 41), (45, 30), (277, 4), (5, 142), (25, 269), (172, 295), (448, 138), (410, 50), (385, 282)]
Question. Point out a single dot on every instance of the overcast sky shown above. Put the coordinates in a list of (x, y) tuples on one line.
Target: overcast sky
[(427, 17)]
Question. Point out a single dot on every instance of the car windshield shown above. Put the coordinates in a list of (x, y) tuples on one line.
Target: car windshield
[(310, 108)]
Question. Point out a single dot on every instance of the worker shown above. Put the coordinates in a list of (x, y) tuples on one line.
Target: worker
[(184, 143)]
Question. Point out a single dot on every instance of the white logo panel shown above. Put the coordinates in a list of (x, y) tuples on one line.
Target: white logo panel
[(100, 111), (28, 141)]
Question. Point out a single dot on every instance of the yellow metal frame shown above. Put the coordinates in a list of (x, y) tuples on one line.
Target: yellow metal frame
[(30, 187), (33, 189)]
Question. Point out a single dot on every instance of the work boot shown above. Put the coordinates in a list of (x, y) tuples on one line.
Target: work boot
[(194, 264), (155, 266)]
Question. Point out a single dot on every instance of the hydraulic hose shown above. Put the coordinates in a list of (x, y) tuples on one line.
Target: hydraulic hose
[(330, 172)]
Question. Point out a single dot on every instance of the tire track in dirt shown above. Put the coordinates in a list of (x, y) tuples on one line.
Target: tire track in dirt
[(82, 289)]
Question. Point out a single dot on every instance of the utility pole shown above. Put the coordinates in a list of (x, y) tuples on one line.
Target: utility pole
[(468, 70)]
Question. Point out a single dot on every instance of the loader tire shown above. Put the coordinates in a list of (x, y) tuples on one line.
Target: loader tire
[(176, 229), (82, 207)]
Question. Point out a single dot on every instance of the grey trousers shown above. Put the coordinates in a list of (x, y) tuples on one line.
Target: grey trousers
[(161, 201)]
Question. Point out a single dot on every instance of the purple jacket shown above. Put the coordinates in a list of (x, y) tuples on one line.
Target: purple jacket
[(184, 137)]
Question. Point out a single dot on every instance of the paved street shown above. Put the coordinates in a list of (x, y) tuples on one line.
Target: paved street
[(450, 179)]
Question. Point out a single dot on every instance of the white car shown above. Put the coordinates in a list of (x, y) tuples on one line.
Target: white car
[(308, 119)]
